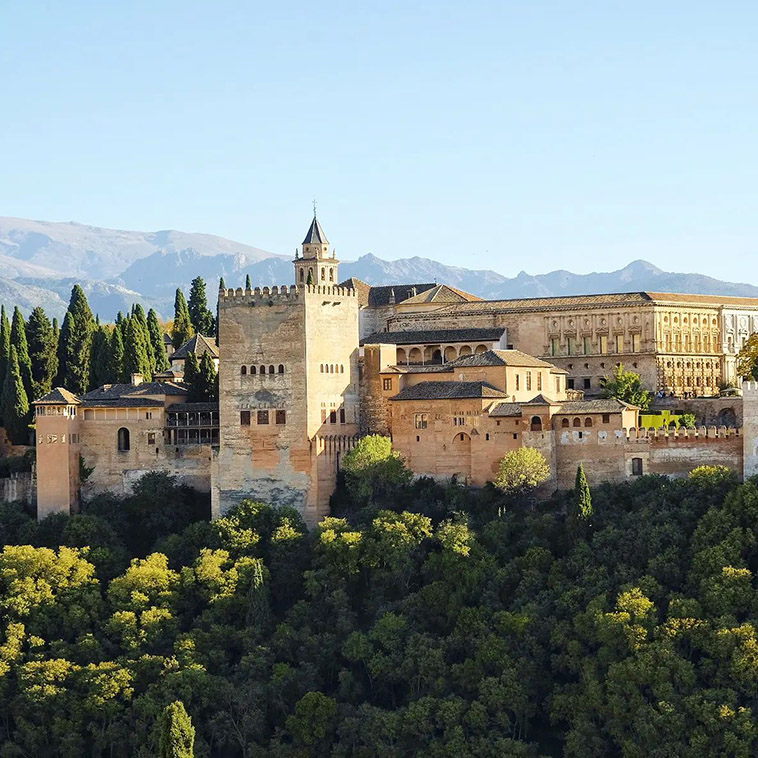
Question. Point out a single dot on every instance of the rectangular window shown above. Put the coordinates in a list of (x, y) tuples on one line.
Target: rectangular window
[(528, 381), (387, 384), (557, 383), (603, 343), (570, 383), (518, 382), (571, 346), (333, 416), (151, 438), (636, 466), (606, 418), (281, 417), (459, 421), (586, 345), (587, 383), (554, 346), (148, 415), (244, 418), (619, 343), (421, 420), (539, 381), (323, 415), (636, 343), (262, 417), (342, 415)]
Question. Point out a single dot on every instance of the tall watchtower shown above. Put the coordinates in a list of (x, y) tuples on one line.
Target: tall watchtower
[(316, 265), (288, 381)]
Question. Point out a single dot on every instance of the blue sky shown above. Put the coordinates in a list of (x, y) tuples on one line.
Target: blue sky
[(504, 135)]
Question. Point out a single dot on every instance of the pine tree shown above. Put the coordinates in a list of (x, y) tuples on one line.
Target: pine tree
[(42, 352), (75, 348), (136, 359), (201, 317), (182, 329), (176, 737), (192, 376), (116, 365), (156, 340), (5, 343), (100, 365), (582, 507), (14, 403), (248, 283), (138, 313), (18, 340), (203, 381)]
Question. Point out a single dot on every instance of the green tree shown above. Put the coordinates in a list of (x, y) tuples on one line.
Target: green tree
[(200, 316), (192, 376), (18, 340), (136, 356), (248, 283), (14, 404), (5, 342), (75, 345), (100, 363), (182, 328), (116, 354), (522, 471), (203, 379), (176, 733), (747, 359), (373, 470), (581, 511), (627, 387), (42, 352), (310, 277), (138, 313), (156, 340)]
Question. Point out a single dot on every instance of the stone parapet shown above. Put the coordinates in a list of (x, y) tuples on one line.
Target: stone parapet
[(282, 293)]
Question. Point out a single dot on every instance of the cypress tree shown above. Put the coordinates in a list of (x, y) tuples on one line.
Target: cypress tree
[(75, 349), (582, 498), (5, 342), (14, 403), (100, 366), (221, 286), (18, 340), (182, 329), (116, 352), (176, 737), (138, 313), (136, 359), (42, 352), (204, 387), (201, 317), (192, 377), (156, 340), (248, 283), (310, 277)]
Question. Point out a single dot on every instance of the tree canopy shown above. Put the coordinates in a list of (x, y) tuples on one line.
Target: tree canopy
[(626, 386)]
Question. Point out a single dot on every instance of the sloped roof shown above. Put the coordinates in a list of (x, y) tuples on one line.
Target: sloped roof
[(541, 400), (436, 336), (199, 345), (506, 409), (110, 394), (315, 234), (497, 357), (58, 396), (443, 294), (362, 289), (449, 390), (386, 294), (192, 407), (599, 405)]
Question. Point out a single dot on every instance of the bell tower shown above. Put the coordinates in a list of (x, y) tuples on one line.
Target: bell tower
[(316, 265)]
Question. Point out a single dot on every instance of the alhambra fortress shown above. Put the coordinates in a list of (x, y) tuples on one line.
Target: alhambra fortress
[(457, 382)]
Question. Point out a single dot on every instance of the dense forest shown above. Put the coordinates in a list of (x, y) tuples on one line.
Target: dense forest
[(83, 353), (418, 620)]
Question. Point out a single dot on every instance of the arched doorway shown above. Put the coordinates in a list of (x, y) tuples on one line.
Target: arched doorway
[(460, 458)]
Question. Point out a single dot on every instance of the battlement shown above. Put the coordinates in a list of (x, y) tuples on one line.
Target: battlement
[(282, 294), (679, 435), (749, 388)]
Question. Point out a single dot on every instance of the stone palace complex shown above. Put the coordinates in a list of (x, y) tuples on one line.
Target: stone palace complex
[(457, 381)]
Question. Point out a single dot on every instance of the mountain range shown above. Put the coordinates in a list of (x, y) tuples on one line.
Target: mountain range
[(40, 261)]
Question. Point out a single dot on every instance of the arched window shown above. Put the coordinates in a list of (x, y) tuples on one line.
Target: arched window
[(588, 422), (564, 423), (331, 368), (123, 440), (322, 368), (577, 422), (243, 370), (281, 368), (331, 274), (302, 275), (342, 368), (323, 274), (262, 370), (636, 466), (271, 370), (536, 425), (252, 370)]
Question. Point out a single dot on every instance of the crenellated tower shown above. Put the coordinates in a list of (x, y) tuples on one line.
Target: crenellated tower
[(316, 266)]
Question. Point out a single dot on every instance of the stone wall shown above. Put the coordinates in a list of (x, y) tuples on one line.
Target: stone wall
[(750, 427), (708, 411), (19, 486)]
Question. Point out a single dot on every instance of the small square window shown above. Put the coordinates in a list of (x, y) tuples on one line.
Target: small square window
[(262, 417), (151, 438), (281, 417), (587, 383), (244, 418)]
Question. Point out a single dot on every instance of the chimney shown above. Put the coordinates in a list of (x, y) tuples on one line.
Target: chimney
[(137, 379), (414, 292)]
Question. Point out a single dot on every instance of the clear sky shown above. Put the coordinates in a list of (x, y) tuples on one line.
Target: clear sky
[(506, 135)]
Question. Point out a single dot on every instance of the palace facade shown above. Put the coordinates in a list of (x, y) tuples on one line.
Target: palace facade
[(457, 381)]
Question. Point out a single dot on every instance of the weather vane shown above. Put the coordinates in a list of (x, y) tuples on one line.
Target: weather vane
[(314, 207)]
